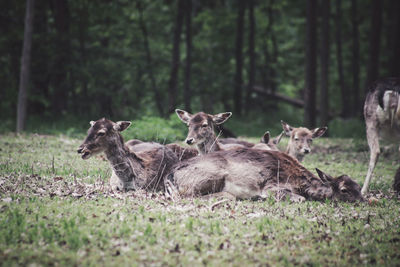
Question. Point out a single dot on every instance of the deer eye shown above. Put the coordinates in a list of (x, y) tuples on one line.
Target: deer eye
[(101, 133), (309, 140)]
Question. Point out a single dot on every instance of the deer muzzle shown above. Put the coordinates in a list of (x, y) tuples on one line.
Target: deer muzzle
[(84, 151)]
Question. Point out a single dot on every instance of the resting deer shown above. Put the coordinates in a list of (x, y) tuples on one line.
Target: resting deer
[(266, 142), (382, 119), (141, 165), (250, 173), (202, 129), (301, 139)]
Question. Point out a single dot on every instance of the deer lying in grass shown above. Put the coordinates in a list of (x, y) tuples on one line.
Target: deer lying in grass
[(183, 153), (202, 133), (202, 129), (139, 165), (382, 119), (250, 173), (300, 139), (266, 142)]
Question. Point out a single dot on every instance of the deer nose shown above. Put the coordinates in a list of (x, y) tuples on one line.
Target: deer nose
[(80, 149), (189, 141), (306, 151)]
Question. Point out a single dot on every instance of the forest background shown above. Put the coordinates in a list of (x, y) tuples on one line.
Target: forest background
[(305, 62)]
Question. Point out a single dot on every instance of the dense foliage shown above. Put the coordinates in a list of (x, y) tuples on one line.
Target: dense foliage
[(108, 58)]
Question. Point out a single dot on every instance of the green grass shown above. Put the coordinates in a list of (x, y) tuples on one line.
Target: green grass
[(55, 210)]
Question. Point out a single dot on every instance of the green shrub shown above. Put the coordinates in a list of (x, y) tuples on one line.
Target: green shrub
[(350, 128)]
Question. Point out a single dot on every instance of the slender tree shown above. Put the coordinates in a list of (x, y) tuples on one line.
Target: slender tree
[(355, 62), (394, 62), (311, 64), (149, 61), (25, 66), (252, 57), (238, 83), (324, 95), (188, 63), (173, 80), (344, 94), (374, 42), (62, 58)]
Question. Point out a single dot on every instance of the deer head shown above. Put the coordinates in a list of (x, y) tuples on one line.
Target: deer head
[(101, 135), (301, 139), (343, 187), (268, 143), (201, 125)]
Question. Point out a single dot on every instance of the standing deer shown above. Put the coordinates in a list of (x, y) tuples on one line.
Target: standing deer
[(139, 165), (300, 139), (382, 119), (250, 173), (202, 129)]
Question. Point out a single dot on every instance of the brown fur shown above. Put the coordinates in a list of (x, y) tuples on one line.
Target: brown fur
[(382, 119), (183, 153), (141, 165), (300, 139), (249, 173), (266, 142), (202, 129)]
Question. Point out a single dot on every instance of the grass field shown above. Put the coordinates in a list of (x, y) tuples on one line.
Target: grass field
[(57, 209)]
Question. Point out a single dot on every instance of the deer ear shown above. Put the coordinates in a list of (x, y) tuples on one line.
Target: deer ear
[(324, 177), (317, 132), (287, 128), (92, 123), (121, 125), (277, 139), (184, 116), (265, 138), (221, 117)]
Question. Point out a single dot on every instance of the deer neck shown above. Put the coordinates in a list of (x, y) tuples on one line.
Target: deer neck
[(208, 146), (122, 160), (303, 181), (317, 189), (291, 151)]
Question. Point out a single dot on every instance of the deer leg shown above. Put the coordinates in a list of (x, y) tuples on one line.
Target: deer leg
[(373, 143)]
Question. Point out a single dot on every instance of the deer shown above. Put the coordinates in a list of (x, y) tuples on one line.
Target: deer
[(246, 173), (266, 142), (202, 134), (202, 130), (135, 164), (382, 119), (300, 139)]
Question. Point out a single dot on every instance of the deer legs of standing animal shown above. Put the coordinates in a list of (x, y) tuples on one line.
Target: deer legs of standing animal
[(373, 143)]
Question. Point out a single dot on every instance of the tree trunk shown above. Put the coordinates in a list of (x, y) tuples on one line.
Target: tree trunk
[(25, 66), (252, 59), (61, 22), (355, 63), (311, 64), (344, 94), (324, 96), (394, 62), (273, 76), (149, 61), (188, 64), (374, 42), (239, 58), (83, 21), (172, 85)]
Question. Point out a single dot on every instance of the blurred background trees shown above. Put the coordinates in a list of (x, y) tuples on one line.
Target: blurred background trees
[(302, 61)]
